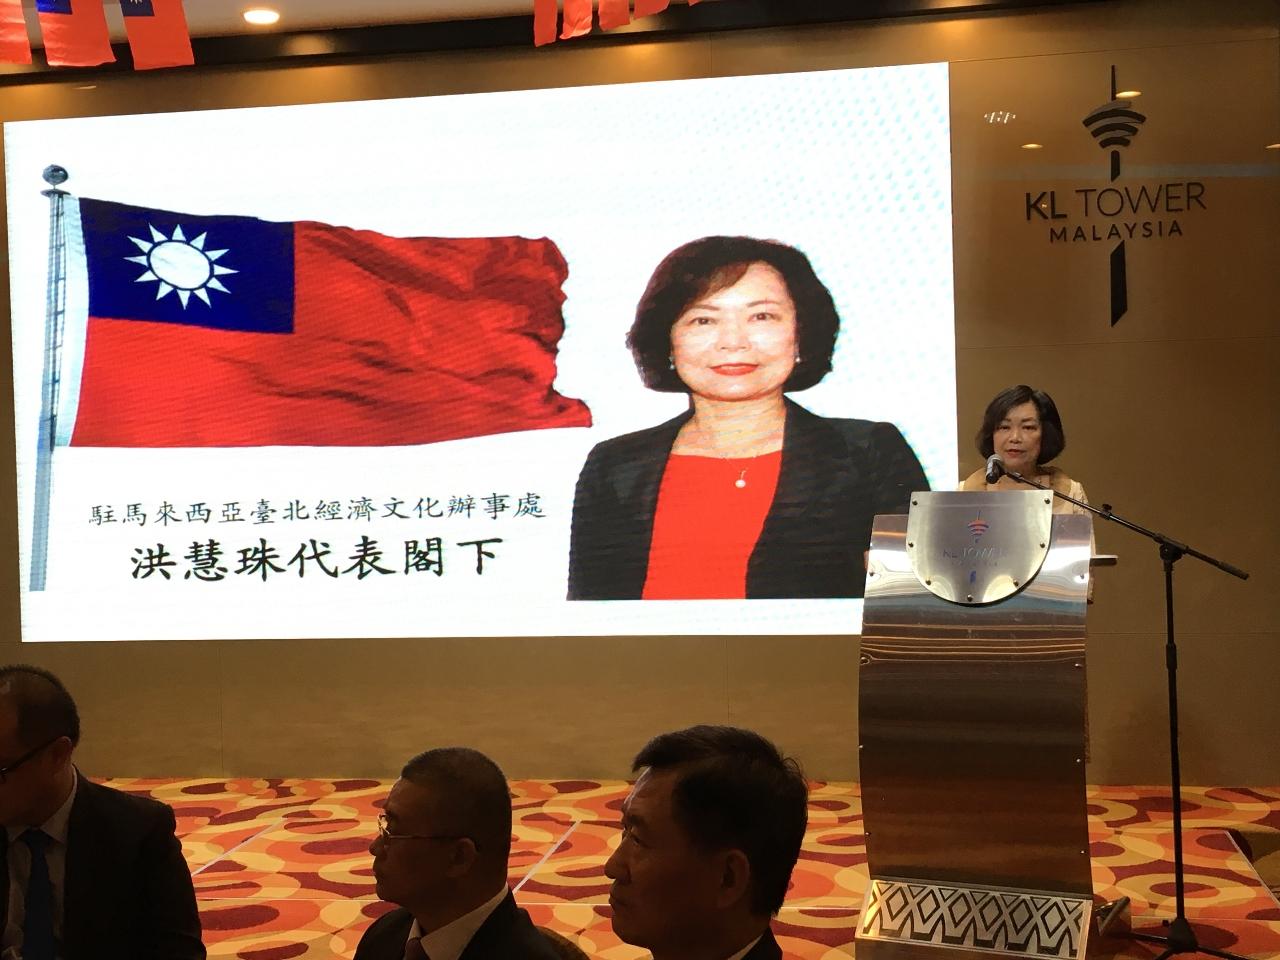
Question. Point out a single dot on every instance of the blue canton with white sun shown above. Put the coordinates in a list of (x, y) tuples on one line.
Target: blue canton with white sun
[(162, 267)]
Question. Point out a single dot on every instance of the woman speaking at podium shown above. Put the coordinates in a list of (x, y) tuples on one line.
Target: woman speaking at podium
[(746, 494), (1023, 427)]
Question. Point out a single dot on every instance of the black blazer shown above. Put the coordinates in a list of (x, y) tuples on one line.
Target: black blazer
[(506, 934), (836, 475), (766, 949), (128, 893)]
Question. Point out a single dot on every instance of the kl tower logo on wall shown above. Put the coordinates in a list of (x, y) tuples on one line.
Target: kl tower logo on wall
[(1114, 125), (1117, 214)]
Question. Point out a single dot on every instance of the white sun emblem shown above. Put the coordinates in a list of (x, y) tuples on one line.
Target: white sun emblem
[(180, 265)]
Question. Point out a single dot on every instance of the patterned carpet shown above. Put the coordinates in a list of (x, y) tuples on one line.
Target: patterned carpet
[(282, 868)]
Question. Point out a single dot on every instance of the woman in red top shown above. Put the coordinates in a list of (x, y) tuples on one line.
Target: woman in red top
[(746, 494)]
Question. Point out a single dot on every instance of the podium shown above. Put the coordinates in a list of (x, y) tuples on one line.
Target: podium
[(972, 731)]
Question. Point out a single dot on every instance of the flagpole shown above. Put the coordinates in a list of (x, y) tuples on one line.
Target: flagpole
[(55, 313)]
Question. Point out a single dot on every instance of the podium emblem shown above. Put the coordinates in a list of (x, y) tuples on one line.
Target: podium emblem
[(978, 548)]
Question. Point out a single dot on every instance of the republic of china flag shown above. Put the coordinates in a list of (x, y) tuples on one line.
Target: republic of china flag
[(157, 32), (75, 33), (230, 331), (15, 46)]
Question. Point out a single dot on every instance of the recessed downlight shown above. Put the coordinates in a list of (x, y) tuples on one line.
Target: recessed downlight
[(1033, 146), (261, 16)]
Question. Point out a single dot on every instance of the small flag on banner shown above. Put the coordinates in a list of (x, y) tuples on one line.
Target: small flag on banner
[(577, 19), (645, 8), (15, 46), (614, 13), (75, 33), (545, 13), (229, 331), (157, 32)]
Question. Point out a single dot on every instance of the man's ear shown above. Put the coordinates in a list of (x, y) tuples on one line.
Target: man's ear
[(60, 750), (735, 879), (462, 856)]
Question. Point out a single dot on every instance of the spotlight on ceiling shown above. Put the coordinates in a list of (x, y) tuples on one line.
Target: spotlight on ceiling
[(261, 16)]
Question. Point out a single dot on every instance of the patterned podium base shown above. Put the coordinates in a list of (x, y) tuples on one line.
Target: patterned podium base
[(952, 917)]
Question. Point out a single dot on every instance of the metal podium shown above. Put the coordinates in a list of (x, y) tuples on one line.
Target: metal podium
[(972, 730)]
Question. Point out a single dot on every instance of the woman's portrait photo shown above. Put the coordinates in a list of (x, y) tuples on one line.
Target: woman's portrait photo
[(746, 494)]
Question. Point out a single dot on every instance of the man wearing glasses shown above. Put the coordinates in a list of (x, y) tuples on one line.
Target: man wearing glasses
[(441, 854), (90, 871)]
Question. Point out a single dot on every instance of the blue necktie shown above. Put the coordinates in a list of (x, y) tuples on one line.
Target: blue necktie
[(37, 926)]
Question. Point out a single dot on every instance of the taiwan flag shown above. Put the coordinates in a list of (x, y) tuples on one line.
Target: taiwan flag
[(15, 47), (228, 331), (74, 32), (157, 31)]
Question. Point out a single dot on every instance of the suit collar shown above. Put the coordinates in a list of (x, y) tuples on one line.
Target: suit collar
[(812, 457), (494, 929), (87, 839), (766, 948)]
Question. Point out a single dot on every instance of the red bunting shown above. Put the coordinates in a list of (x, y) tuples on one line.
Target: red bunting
[(75, 33), (614, 13), (15, 47), (578, 13), (157, 32), (577, 19), (645, 8), (544, 22)]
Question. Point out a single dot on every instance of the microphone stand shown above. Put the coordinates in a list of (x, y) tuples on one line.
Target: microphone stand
[(1181, 937)]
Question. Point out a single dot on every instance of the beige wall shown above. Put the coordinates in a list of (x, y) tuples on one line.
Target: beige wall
[(1172, 417)]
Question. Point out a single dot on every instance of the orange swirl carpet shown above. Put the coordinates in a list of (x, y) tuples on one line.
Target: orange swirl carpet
[(282, 868)]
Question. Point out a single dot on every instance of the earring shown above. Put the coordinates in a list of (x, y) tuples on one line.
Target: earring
[(797, 358), (671, 362)]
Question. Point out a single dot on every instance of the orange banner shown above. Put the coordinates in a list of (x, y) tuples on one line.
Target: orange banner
[(577, 19), (15, 46)]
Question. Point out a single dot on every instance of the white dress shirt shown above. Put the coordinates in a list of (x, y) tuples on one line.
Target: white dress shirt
[(19, 857), (449, 941)]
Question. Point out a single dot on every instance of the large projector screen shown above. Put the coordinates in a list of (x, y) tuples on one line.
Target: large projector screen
[(335, 370)]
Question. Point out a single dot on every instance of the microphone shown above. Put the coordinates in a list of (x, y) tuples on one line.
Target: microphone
[(995, 468)]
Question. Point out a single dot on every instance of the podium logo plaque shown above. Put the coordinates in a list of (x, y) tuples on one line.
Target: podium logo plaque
[(963, 554)]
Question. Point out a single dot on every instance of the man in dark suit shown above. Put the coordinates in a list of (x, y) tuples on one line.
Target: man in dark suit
[(710, 834), (90, 872), (441, 854)]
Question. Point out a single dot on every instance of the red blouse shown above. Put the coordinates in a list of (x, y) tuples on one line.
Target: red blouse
[(708, 519)]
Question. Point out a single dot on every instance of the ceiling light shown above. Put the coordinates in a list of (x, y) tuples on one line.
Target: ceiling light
[(1128, 94), (261, 16), (1272, 146), (1033, 146)]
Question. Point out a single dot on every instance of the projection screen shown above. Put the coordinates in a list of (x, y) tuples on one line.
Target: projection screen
[(334, 370)]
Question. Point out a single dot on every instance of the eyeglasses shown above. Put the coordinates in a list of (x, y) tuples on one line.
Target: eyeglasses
[(5, 771), (386, 834)]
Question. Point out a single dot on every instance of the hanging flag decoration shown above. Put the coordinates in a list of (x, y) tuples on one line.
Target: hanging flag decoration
[(545, 14), (75, 33), (647, 8), (157, 32), (577, 19), (230, 331), (614, 13), (15, 46), (578, 14)]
